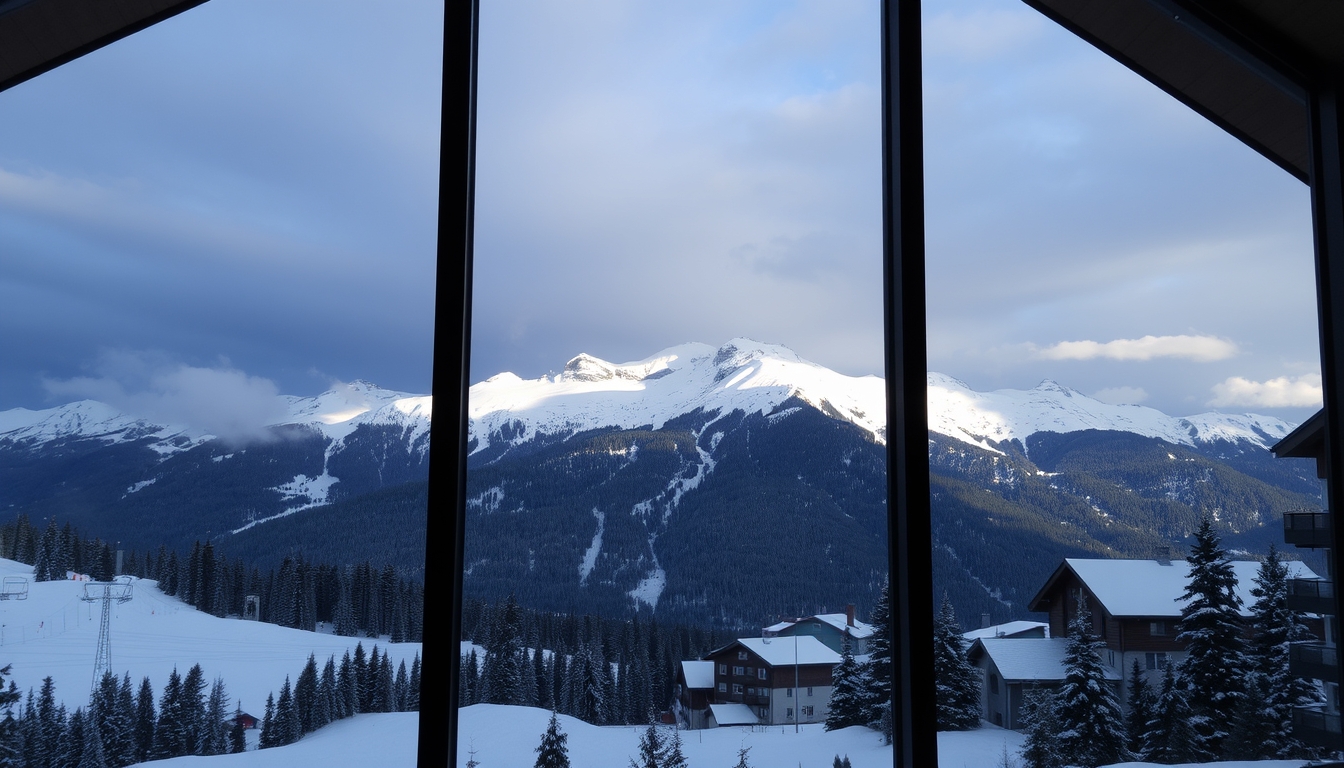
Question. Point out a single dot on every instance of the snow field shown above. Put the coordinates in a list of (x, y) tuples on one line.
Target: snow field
[(152, 634)]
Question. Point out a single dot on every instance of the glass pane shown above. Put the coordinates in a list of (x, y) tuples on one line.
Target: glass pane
[(677, 483), (217, 304), (1121, 323)]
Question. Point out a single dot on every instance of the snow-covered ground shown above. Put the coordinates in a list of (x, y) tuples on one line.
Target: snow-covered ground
[(54, 633)]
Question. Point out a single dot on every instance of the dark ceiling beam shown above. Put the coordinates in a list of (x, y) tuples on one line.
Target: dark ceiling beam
[(37, 36), (1246, 80)]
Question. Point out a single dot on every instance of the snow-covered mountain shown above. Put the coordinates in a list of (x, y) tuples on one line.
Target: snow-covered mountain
[(757, 378), (590, 393)]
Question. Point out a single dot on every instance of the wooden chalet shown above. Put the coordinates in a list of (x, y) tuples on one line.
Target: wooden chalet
[(830, 628), (1135, 605), (759, 681)]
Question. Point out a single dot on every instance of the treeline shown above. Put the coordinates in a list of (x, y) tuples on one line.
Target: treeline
[(357, 600), (121, 726), (599, 670), (357, 684)]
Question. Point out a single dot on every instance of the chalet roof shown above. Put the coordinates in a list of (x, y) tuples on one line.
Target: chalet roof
[(698, 674), (733, 714), (1008, 629), (1026, 659), (1148, 588), (860, 630), (1305, 442), (779, 651)]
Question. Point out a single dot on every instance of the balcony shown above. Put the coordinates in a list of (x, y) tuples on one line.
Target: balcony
[(1307, 529), (1314, 660), (1317, 728), (1311, 595)]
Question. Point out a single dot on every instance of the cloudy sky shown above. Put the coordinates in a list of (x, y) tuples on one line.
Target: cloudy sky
[(241, 201)]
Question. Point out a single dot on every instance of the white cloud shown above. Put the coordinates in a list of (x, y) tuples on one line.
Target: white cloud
[(1201, 349), (1283, 392), (222, 401), (1121, 395)]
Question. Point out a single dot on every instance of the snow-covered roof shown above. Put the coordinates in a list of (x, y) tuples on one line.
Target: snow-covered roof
[(1149, 588), (779, 651), (733, 714), (839, 621), (1009, 629), (698, 674), (1029, 658)]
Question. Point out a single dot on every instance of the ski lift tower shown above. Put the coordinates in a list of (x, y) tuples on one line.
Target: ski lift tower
[(105, 592)]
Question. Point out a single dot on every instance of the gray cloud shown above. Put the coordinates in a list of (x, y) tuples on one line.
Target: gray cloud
[(222, 400)]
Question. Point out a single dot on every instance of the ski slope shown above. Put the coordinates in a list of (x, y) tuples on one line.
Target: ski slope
[(54, 633)]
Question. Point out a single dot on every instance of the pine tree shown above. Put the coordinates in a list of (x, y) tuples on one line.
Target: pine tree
[(11, 740), (193, 710), (1170, 737), (401, 688), (742, 756), (288, 729), (849, 692), (269, 730), (215, 733), (958, 684), (1210, 629), (651, 749), (144, 721), (170, 737), (1091, 722), (552, 752), (413, 692), (362, 687), (305, 695), (1141, 704), (879, 665), (1041, 748), (672, 754), (348, 687), (328, 704), (91, 746), (237, 733), (1274, 628), (1254, 734)]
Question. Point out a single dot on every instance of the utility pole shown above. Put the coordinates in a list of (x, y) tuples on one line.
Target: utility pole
[(105, 592)]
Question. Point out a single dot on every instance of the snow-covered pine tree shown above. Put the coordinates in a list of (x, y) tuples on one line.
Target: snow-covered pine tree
[(540, 673), (384, 698), (672, 754), (742, 758), (1041, 748), (552, 752), (879, 666), (237, 733), (502, 676), (958, 684), (401, 688), (1091, 721), (377, 699), (144, 721), (849, 692), (348, 687), (360, 666), (413, 693), (1254, 734), (1274, 627), (1211, 631), (651, 749), (1141, 703), (269, 732), (11, 739), (288, 728), (328, 698), (170, 738), (193, 709), (215, 732), (305, 694), (31, 732), (91, 746), (1170, 737)]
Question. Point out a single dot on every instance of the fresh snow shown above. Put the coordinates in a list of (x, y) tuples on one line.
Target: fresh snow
[(55, 633), (590, 556), (1149, 588)]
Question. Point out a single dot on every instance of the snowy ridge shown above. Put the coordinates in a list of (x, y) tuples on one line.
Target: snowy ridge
[(591, 393), (974, 417)]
